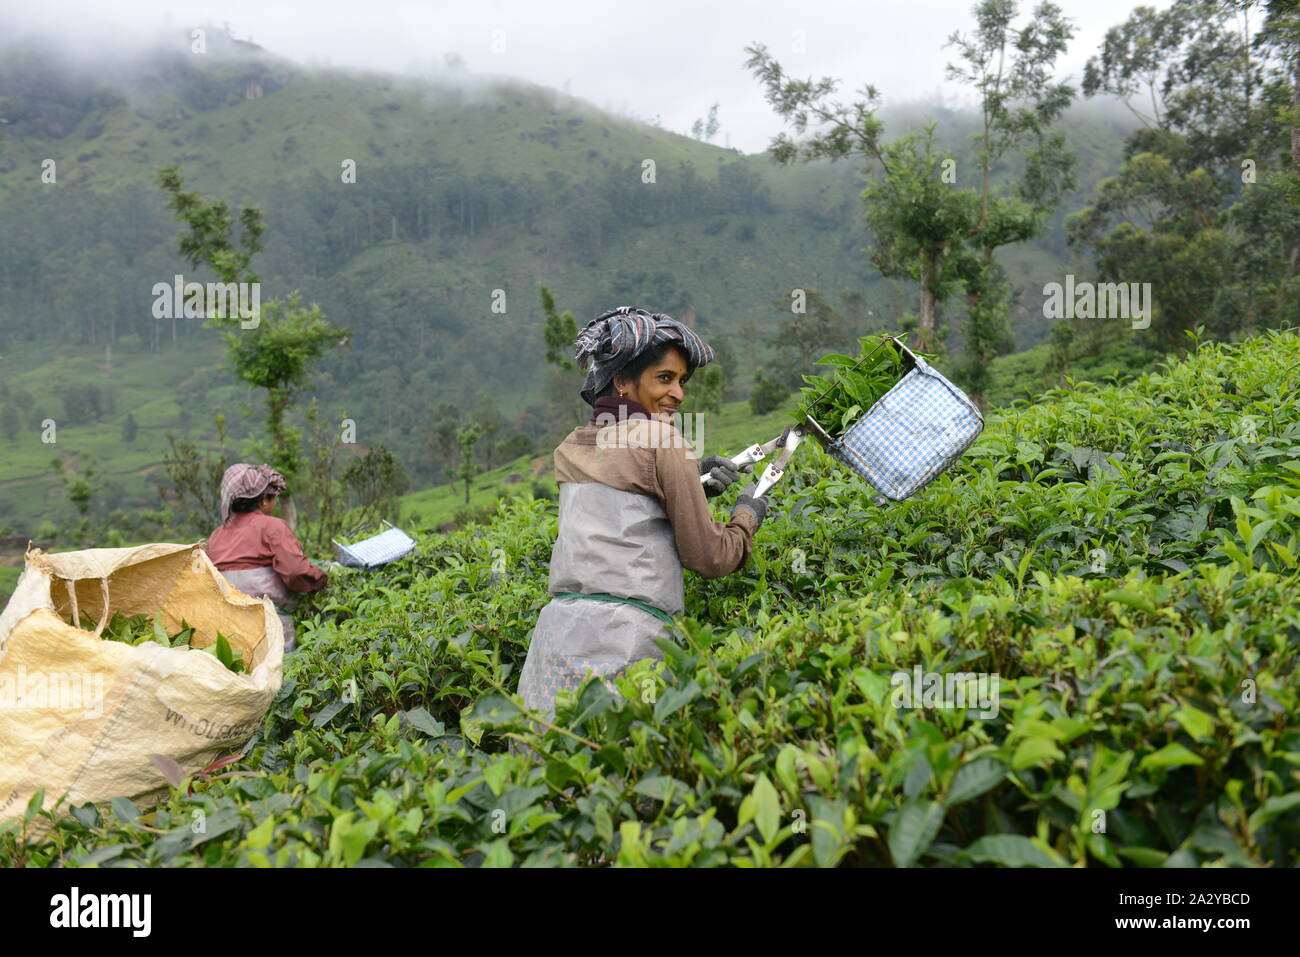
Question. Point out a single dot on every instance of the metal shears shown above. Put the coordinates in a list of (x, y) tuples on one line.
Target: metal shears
[(787, 441)]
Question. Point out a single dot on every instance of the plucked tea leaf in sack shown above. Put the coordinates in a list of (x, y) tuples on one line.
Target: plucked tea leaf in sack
[(232, 658), (137, 629)]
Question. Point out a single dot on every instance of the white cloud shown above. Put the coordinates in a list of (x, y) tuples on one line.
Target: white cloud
[(671, 58)]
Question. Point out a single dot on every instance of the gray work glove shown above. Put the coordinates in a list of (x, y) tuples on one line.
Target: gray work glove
[(757, 506), (721, 473)]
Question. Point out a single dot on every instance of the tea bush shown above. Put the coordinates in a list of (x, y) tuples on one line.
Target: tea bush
[(1122, 560)]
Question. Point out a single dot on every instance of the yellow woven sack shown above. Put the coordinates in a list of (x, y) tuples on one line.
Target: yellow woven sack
[(83, 716)]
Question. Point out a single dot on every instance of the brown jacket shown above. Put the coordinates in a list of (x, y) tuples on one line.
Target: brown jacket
[(650, 457)]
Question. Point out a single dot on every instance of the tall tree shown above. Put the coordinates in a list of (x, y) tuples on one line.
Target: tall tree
[(559, 331), (375, 482), (707, 130), (1187, 69), (924, 226), (277, 354), (1207, 205), (1010, 69), (441, 432), (920, 224), (467, 438), (1280, 34), (9, 421), (904, 245), (707, 386), (195, 479)]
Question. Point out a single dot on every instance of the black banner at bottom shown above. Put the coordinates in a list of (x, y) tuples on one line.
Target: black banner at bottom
[(133, 905)]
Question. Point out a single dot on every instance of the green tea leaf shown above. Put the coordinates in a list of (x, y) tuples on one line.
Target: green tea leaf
[(494, 710), (1009, 850), (974, 778), (349, 838), (913, 831), (1170, 756), (674, 699), (330, 710), (768, 808), (1195, 722), (1272, 808), (1033, 750), (421, 720), (1143, 856), (659, 786), (125, 810), (859, 384), (498, 854)]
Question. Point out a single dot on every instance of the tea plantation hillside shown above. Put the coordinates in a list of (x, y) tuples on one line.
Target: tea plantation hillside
[(1122, 560)]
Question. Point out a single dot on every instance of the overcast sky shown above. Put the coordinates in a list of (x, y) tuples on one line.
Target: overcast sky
[(667, 58)]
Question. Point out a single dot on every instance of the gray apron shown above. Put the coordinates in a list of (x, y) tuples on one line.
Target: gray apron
[(266, 581), (610, 542)]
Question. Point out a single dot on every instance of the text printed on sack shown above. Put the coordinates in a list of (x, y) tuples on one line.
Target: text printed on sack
[(211, 729)]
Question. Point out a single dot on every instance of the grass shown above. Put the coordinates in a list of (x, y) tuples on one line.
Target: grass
[(9, 576), (154, 387)]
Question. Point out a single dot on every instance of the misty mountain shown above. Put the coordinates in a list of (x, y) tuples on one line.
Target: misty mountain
[(468, 192)]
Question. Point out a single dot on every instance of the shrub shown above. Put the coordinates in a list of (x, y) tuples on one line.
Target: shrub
[(768, 395), (1124, 560)]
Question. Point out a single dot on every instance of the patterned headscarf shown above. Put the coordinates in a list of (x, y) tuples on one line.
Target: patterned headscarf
[(612, 340), (247, 481)]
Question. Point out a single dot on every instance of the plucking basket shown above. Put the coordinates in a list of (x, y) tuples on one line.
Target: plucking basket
[(911, 435)]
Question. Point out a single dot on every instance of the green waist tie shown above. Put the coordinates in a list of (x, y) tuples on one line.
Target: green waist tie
[(657, 612)]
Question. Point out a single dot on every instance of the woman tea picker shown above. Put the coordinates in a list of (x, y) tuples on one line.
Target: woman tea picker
[(633, 511), (257, 552)]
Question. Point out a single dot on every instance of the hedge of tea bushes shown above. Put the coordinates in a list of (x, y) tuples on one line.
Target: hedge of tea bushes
[(1121, 560)]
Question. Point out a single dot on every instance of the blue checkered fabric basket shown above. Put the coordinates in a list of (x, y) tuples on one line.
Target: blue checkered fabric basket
[(913, 433)]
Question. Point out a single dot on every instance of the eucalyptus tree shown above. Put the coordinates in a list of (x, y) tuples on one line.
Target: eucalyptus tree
[(910, 211), (925, 225), (1011, 68), (1207, 204)]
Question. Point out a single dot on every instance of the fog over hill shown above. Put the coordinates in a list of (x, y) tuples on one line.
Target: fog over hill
[(671, 60), (467, 184)]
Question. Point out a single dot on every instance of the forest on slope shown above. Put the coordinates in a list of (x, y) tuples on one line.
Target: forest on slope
[(459, 192), (469, 193)]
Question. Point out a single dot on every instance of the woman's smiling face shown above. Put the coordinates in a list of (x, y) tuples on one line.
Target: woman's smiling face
[(659, 388)]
